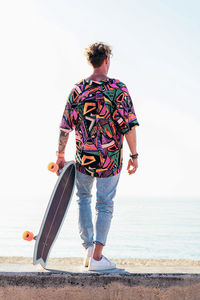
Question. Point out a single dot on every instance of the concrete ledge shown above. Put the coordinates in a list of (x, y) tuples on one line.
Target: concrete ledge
[(41, 285), (44, 280)]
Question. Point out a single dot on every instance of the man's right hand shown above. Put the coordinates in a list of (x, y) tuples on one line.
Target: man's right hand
[(60, 162)]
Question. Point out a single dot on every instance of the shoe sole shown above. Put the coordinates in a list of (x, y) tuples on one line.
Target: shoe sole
[(111, 268)]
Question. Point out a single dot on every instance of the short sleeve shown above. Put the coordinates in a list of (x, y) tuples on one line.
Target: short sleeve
[(124, 113), (70, 115)]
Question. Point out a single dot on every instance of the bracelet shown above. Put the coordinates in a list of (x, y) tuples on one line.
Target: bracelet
[(134, 156), (60, 154)]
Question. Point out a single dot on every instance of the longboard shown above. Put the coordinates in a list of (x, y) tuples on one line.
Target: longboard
[(55, 214)]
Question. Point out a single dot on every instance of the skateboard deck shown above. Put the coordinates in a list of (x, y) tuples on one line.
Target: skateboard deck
[(55, 214)]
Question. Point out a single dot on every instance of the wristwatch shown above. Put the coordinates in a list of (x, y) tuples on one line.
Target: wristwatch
[(134, 156)]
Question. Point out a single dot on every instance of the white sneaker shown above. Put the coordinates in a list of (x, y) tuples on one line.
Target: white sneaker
[(89, 252), (103, 264)]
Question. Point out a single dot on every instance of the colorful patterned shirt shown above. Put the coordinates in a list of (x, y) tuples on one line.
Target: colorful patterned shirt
[(100, 112)]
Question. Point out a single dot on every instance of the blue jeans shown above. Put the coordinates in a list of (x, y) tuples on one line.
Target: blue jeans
[(105, 192)]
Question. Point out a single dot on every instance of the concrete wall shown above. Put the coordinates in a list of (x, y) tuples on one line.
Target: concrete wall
[(20, 286)]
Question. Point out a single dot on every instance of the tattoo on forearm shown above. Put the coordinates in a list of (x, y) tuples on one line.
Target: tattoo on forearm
[(63, 138)]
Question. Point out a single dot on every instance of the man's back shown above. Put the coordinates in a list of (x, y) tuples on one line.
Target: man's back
[(101, 112)]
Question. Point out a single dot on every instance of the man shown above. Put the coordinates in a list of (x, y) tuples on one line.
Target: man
[(101, 112)]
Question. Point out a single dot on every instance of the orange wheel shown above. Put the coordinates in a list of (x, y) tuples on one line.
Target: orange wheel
[(28, 236), (53, 167)]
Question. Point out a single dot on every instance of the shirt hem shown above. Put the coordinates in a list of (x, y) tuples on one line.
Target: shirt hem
[(81, 169)]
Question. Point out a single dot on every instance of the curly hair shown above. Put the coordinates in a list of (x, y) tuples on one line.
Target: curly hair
[(96, 53)]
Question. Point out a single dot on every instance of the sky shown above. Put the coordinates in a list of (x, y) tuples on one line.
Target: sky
[(156, 46)]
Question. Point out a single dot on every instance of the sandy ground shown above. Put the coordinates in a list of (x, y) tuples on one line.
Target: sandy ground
[(120, 261)]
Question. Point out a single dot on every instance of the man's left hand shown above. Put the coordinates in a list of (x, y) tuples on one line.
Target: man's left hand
[(132, 166)]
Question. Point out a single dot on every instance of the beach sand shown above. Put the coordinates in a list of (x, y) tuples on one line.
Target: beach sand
[(120, 261)]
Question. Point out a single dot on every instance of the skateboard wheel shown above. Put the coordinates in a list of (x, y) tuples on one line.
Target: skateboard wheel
[(53, 167), (28, 236)]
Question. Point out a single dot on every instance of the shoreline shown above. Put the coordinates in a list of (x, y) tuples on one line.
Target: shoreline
[(120, 261)]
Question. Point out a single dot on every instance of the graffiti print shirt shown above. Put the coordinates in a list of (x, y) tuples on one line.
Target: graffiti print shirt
[(100, 112)]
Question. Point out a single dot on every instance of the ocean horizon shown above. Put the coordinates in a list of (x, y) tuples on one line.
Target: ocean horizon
[(154, 228)]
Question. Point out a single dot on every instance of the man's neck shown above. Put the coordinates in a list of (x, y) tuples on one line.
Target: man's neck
[(98, 75)]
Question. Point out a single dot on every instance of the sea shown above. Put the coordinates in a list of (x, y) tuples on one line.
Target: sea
[(157, 228)]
